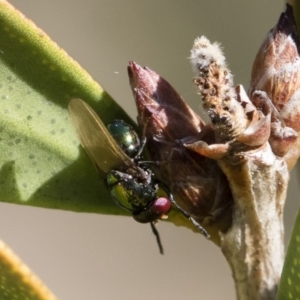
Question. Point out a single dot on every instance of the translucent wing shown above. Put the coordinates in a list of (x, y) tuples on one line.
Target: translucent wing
[(96, 139)]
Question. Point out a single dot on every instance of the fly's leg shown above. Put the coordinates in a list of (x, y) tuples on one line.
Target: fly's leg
[(142, 146), (156, 233), (186, 214)]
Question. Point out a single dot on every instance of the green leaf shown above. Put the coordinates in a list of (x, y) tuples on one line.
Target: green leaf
[(289, 287), (296, 7), (17, 281), (41, 161)]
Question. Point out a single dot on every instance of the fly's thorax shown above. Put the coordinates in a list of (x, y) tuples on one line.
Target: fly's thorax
[(129, 192), (125, 136)]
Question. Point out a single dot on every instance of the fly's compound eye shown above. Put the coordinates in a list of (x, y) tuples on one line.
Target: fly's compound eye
[(125, 136), (161, 206)]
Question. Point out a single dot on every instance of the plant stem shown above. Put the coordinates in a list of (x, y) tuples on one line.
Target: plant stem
[(253, 246)]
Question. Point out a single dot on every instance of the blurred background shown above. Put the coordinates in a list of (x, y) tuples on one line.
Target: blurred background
[(88, 256)]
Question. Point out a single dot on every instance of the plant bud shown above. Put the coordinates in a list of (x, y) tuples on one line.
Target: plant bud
[(215, 84), (276, 71), (237, 125), (197, 183)]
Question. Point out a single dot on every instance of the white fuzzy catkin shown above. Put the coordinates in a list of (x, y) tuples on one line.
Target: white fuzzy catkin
[(204, 53)]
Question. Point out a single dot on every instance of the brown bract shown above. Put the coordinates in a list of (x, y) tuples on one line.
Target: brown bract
[(197, 183), (276, 72)]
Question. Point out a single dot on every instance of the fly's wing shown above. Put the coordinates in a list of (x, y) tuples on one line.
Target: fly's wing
[(96, 139)]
